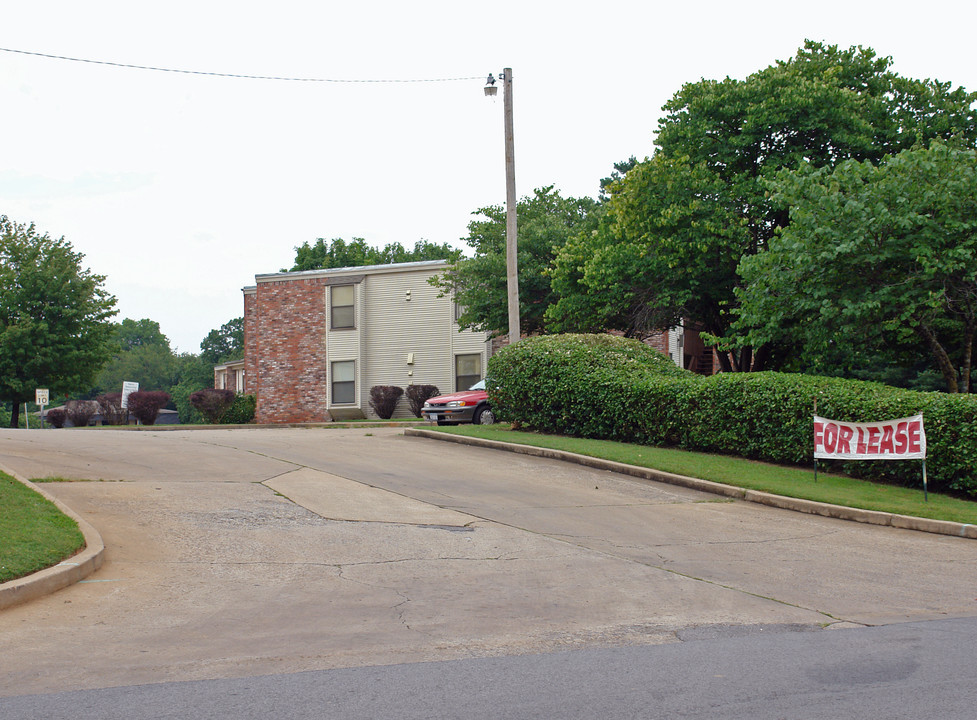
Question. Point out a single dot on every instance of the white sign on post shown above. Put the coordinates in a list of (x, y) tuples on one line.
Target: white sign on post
[(41, 396), (127, 389)]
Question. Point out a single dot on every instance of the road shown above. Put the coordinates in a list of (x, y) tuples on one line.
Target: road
[(268, 552)]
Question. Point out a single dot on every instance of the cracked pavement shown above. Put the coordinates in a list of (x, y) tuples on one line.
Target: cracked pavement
[(235, 553)]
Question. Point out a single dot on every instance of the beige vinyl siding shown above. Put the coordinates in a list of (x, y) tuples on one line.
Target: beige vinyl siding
[(399, 326)]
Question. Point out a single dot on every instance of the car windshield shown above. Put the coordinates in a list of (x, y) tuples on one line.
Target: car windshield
[(480, 385)]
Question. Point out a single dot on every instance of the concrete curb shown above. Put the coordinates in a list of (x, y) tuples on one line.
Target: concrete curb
[(67, 572), (872, 517)]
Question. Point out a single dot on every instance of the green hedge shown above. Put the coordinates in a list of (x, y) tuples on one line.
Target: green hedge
[(601, 386), (241, 411)]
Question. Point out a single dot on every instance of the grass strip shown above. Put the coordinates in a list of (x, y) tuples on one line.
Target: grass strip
[(777, 479), (34, 533)]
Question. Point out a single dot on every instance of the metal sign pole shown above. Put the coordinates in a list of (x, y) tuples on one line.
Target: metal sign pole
[(926, 497)]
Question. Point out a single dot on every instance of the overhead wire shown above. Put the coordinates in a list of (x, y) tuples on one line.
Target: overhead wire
[(131, 66)]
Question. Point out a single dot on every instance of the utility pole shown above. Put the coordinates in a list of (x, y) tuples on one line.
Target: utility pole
[(511, 245)]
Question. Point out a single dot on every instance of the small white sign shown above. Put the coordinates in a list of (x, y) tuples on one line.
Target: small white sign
[(41, 396), (127, 389)]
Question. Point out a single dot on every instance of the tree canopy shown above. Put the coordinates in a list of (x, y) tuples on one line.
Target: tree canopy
[(884, 254), (55, 328), (679, 222), (224, 343), (338, 253), (478, 284)]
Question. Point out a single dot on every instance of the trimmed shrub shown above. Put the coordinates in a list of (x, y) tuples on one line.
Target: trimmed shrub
[(56, 417), (80, 412), (144, 405), (383, 399), (241, 411), (111, 408), (212, 403), (615, 389), (417, 395)]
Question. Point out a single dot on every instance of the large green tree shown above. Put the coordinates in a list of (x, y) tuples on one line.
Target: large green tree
[(224, 343), (338, 253), (884, 253), (718, 145), (546, 220), (55, 327)]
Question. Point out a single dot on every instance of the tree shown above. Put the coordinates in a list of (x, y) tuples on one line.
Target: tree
[(719, 143), (54, 316), (224, 344), (886, 252), (666, 251), (338, 253), (154, 367), (546, 221), (131, 334)]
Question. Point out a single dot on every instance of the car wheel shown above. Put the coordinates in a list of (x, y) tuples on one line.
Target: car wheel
[(484, 416)]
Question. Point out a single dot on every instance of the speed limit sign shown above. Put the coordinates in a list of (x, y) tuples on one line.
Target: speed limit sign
[(41, 396)]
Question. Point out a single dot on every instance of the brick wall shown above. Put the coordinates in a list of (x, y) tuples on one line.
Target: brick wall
[(285, 350)]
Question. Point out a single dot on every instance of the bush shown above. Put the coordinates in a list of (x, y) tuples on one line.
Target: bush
[(212, 403), (616, 389), (383, 399), (56, 417), (113, 413), (241, 411), (417, 395), (80, 412), (145, 405)]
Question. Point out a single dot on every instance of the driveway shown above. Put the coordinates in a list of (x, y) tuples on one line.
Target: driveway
[(233, 553)]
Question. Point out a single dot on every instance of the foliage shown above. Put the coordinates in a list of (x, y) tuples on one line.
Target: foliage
[(195, 374), (241, 411), (617, 389), (478, 284), (110, 405), (882, 252), (54, 316), (417, 395), (384, 398), (212, 403), (56, 417), (667, 251), (80, 412), (338, 253), (225, 343), (144, 405), (683, 218), (34, 534), (150, 365), (130, 334)]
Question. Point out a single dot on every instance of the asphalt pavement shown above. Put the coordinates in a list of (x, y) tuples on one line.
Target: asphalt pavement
[(244, 553)]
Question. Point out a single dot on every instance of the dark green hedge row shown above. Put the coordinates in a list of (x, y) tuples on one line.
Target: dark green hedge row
[(601, 386)]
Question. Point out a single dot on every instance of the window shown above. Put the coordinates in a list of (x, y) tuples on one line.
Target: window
[(459, 309), (468, 371), (344, 382), (343, 306)]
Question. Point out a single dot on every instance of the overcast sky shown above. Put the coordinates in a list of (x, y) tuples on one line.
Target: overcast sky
[(180, 188)]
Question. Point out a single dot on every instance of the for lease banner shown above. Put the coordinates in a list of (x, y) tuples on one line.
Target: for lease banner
[(902, 439)]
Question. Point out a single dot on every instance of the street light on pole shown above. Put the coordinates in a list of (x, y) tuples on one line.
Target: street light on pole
[(511, 249)]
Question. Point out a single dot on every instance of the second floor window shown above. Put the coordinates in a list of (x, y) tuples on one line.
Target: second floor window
[(343, 306)]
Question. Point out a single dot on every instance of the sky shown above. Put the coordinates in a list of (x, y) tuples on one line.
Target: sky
[(179, 187)]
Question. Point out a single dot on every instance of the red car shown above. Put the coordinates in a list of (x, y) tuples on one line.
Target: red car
[(470, 405)]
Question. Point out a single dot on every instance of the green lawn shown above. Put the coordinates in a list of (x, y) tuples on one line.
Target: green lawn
[(34, 534), (777, 479)]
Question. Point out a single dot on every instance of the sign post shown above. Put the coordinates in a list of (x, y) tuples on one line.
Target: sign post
[(42, 397), (127, 389)]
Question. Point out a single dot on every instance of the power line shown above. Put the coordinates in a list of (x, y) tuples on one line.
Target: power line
[(228, 75)]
